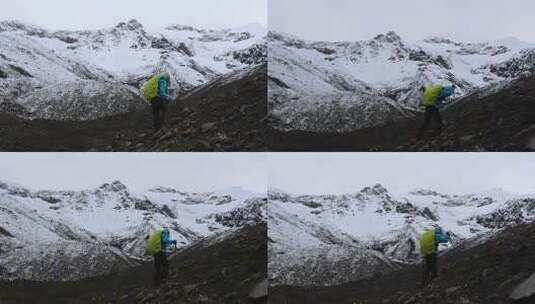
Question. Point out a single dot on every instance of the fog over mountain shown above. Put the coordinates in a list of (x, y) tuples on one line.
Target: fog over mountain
[(80, 14), (337, 173), (415, 20), (186, 171)]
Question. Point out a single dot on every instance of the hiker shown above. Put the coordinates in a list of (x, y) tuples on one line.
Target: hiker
[(433, 96), (156, 92), (429, 242), (157, 247)]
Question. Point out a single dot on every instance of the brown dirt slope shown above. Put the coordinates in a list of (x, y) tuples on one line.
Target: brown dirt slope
[(501, 121), (486, 273), (225, 115), (223, 272)]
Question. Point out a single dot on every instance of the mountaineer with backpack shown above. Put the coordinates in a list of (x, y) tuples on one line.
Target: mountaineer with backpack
[(429, 242), (433, 96), (156, 92), (157, 247)]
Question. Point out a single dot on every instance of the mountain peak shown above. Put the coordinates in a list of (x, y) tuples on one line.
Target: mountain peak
[(16, 25), (439, 40), (282, 36), (377, 189), (11, 186), (130, 25), (380, 188), (389, 37), (163, 189), (115, 186), (182, 27), (426, 192)]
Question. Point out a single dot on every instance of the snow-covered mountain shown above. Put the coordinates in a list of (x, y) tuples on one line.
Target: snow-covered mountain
[(331, 239), (341, 86), (87, 74), (68, 235)]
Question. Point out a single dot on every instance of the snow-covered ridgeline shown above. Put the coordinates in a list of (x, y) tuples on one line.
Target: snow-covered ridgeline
[(43, 71), (94, 231), (325, 85), (309, 233)]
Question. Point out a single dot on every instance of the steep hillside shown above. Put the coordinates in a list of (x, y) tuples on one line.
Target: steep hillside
[(499, 118), (83, 75), (347, 86), (325, 240), (224, 268), (226, 114), (487, 270), (80, 234)]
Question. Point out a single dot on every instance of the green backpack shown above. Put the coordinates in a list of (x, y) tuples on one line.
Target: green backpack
[(427, 242), (150, 89), (431, 94), (154, 245)]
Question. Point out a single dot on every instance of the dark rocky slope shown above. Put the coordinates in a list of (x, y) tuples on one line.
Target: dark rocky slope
[(486, 272), (231, 270), (227, 114), (498, 121)]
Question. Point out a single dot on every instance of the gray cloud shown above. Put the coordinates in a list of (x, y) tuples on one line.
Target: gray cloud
[(314, 173), (83, 14), (140, 171), (321, 173), (474, 20)]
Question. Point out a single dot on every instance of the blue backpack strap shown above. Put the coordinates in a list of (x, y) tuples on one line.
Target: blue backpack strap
[(163, 87), (447, 91), (440, 237)]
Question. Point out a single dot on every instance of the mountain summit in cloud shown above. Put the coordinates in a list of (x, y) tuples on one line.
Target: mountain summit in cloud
[(88, 74), (348, 85), (88, 232), (324, 240)]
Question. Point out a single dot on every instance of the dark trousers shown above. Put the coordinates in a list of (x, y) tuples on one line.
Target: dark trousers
[(161, 268), (159, 112), (430, 268), (432, 113)]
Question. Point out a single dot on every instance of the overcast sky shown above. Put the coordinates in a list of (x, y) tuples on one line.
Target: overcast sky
[(139, 171), (457, 173), (464, 20), (94, 14)]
